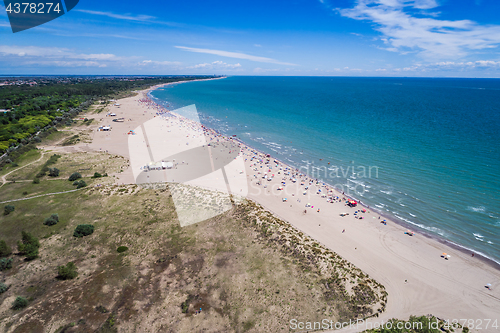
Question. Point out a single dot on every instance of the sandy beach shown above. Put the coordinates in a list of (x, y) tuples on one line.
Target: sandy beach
[(418, 279)]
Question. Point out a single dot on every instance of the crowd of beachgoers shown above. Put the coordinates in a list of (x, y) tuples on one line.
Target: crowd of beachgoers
[(265, 169)]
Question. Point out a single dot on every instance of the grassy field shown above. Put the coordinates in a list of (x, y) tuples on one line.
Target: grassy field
[(23, 160), (246, 269)]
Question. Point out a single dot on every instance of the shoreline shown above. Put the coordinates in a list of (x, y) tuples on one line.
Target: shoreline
[(447, 288), (394, 219)]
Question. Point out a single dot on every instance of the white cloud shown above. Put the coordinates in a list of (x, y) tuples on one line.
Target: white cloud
[(52, 52), (257, 45), (161, 63), (430, 37), (129, 17), (216, 65), (236, 55)]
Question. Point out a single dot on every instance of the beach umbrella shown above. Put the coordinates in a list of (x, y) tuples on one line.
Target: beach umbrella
[(444, 255)]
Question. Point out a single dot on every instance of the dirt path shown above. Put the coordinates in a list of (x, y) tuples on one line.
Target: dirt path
[(4, 177)]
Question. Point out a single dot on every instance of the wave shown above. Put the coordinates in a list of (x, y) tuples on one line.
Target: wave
[(479, 209)]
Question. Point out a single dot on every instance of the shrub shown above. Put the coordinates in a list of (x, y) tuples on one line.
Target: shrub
[(83, 230), (74, 176), (5, 250), (51, 220), (3, 287), (97, 175), (67, 272), (19, 303), (81, 184), (6, 263), (25, 192), (54, 172), (28, 246), (36, 181), (8, 209), (121, 249)]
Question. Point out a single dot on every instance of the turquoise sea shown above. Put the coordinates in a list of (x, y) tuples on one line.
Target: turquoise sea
[(432, 145)]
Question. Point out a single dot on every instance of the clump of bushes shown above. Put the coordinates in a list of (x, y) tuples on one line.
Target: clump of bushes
[(6, 263), (8, 209), (121, 249), (80, 184), (36, 181), (67, 272), (54, 172), (45, 168), (3, 287), (51, 220), (97, 175), (83, 230), (19, 303), (74, 176), (5, 250), (28, 245)]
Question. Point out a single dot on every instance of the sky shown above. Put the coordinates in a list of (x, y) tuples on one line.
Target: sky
[(403, 38)]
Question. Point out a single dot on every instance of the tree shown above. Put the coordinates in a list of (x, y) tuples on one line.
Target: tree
[(67, 272), (83, 230), (5, 250), (36, 181), (54, 172), (19, 303), (81, 184), (74, 176), (97, 175), (51, 220), (6, 263), (8, 209), (28, 246), (3, 287)]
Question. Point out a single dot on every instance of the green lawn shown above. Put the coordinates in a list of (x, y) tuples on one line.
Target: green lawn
[(24, 159)]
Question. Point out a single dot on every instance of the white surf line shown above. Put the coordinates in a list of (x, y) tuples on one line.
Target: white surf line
[(41, 195)]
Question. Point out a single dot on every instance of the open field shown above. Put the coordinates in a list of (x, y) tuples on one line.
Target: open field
[(246, 269)]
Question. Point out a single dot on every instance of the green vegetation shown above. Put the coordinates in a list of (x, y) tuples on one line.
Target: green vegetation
[(51, 220), (36, 181), (8, 209), (74, 176), (247, 269), (28, 246), (54, 172), (5, 249), (67, 272), (35, 110), (80, 184), (3, 287), (121, 249), (83, 230), (19, 303), (97, 175), (45, 167), (6, 263)]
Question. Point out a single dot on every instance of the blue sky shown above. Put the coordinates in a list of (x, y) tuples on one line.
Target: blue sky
[(431, 38)]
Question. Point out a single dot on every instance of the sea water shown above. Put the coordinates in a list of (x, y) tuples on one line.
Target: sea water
[(423, 151)]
